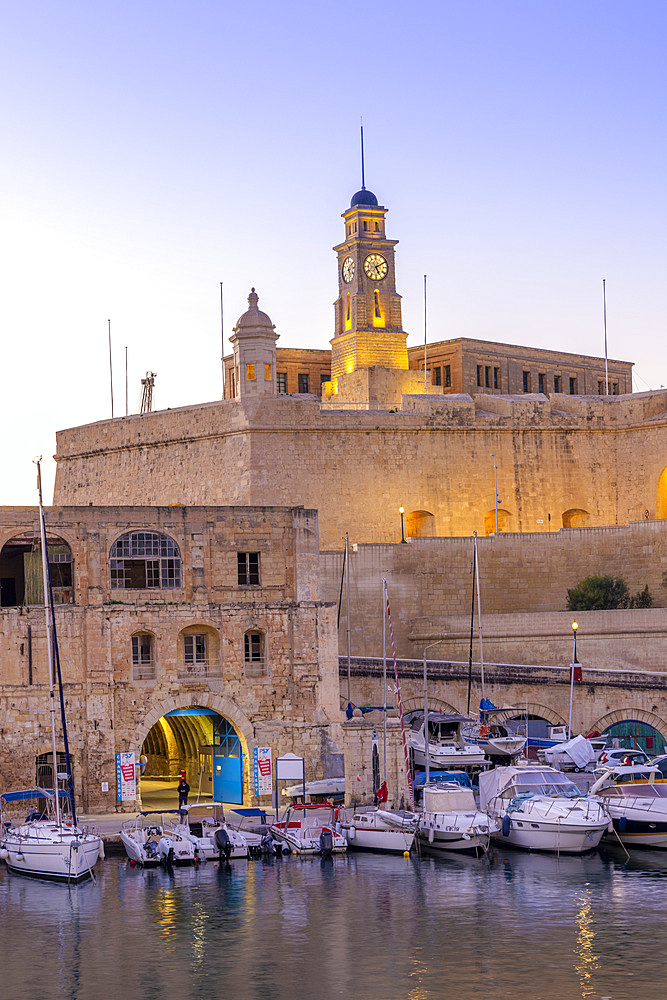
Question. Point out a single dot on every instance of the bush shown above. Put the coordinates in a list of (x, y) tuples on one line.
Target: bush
[(606, 593)]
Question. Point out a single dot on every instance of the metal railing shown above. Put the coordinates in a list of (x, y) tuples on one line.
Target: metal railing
[(199, 668)]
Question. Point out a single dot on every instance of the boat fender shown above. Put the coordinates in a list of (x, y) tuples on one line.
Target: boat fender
[(506, 824), (351, 833), (4, 854), (431, 835), (622, 823), (100, 854), (610, 826)]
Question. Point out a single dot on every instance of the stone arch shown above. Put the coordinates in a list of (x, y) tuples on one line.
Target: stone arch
[(552, 717), (205, 699), (504, 521), (627, 714), (434, 705), (224, 706), (420, 524), (661, 503), (575, 517)]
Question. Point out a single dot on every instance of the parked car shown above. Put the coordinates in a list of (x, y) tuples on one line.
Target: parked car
[(661, 763), (620, 755)]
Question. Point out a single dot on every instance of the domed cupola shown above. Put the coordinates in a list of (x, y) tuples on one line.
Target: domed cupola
[(254, 342), (363, 197)]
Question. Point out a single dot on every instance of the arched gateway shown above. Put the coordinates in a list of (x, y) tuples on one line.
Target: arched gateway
[(208, 740)]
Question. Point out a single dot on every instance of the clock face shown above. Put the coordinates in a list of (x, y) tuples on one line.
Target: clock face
[(348, 269), (376, 266)]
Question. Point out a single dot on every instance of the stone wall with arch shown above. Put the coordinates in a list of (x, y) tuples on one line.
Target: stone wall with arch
[(661, 500)]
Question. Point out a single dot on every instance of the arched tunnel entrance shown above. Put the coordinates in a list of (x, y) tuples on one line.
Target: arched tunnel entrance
[(199, 742), (635, 735)]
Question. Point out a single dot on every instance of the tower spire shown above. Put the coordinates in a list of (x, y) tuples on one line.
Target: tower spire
[(363, 180)]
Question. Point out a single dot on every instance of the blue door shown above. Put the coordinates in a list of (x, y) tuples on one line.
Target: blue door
[(227, 763)]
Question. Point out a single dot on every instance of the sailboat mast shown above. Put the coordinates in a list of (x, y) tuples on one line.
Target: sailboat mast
[(479, 617), (49, 637), (384, 676)]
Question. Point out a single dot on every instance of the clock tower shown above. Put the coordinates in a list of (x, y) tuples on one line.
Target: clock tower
[(368, 329)]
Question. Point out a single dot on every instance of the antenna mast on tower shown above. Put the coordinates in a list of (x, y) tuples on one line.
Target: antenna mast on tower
[(363, 179), (147, 392)]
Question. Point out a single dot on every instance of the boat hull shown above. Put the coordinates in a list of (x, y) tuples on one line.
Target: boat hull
[(382, 841), (70, 861), (550, 837)]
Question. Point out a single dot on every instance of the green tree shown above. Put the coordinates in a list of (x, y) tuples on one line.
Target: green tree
[(606, 593)]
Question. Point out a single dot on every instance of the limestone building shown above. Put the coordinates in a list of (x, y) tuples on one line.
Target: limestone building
[(187, 635)]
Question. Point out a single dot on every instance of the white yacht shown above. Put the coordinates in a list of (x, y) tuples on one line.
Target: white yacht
[(451, 821), (44, 845), (636, 798), (381, 830), (207, 829), (447, 746), (541, 809)]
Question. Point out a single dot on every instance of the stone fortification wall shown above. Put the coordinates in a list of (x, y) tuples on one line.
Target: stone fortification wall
[(600, 458), (524, 581)]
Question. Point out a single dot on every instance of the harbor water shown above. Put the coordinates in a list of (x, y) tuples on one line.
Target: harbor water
[(510, 925)]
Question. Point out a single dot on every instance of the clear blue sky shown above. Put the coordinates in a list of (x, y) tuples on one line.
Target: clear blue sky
[(152, 150)]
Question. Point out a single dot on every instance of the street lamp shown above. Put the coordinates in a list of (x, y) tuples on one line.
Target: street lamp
[(401, 511), (427, 750), (495, 487), (575, 626)]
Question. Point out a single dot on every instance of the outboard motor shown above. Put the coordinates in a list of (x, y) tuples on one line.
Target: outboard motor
[(224, 844), (326, 843)]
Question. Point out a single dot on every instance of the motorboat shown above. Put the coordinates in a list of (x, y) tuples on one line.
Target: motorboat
[(495, 739), (150, 840), (329, 787), (636, 799), (380, 830), (207, 829), (450, 819), (539, 808), (576, 754), (309, 828), (45, 845), (447, 746)]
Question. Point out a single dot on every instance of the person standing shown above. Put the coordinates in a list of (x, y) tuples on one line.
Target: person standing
[(183, 790)]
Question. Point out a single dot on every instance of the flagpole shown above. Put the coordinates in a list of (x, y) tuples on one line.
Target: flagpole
[(425, 390), (604, 312), (574, 660)]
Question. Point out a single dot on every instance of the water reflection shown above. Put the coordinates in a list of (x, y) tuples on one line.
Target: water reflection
[(511, 925)]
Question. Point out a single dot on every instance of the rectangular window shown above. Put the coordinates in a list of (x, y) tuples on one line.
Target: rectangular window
[(573, 386), (324, 378), (540, 378), (267, 372), (601, 391), (248, 569), (614, 389), (448, 375), (250, 372), (496, 378), (194, 648), (437, 376), (487, 376), (526, 381), (479, 375), (143, 661), (556, 383), (281, 382), (303, 382)]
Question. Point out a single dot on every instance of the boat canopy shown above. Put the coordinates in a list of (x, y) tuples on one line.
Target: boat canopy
[(29, 793), (542, 780)]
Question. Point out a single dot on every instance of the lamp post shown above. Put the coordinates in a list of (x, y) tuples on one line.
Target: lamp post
[(401, 511), (575, 626), (427, 749), (495, 487)]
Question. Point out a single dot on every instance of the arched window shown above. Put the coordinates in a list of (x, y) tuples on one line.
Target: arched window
[(504, 521), (198, 652), (145, 560), (419, 524)]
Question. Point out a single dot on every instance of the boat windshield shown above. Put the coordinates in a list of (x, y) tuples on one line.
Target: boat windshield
[(647, 790), (546, 783)]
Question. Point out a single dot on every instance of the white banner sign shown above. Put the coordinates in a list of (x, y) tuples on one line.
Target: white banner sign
[(126, 785), (263, 770)]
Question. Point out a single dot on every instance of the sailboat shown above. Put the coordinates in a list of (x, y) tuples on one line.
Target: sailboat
[(48, 844)]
